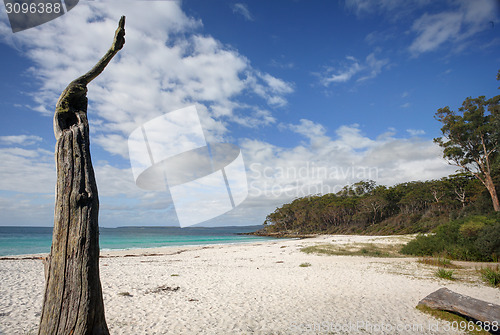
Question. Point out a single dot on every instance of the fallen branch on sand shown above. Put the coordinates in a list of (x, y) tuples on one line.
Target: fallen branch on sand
[(447, 300)]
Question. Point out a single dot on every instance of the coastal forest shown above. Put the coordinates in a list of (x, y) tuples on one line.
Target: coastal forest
[(465, 203), (367, 208)]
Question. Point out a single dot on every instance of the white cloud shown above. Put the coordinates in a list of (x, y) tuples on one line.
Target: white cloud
[(27, 170), (269, 88), (415, 132), (374, 66), (242, 9), (27, 188), (22, 209), (368, 69), (20, 140), (280, 174), (276, 85), (34, 171), (405, 105), (27, 181), (361, 6), (314, 132), (276, 174), (454, 26), (165, 65), (308, 129), (256, 119), (343, 75), (113, 181), (433, 30), (381, 37), (394, 9), (282, 64), (350, 137)]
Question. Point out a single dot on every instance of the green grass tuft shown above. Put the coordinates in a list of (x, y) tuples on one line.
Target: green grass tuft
[(445, 274), (354, 249), (491, 276), (441, 262), (305, 265), (455, 319)]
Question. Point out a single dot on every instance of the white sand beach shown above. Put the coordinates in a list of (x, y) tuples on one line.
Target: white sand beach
[(257, 288)]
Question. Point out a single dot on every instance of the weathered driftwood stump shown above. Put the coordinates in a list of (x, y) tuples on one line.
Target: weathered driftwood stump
[(73, 301), (446, 300)]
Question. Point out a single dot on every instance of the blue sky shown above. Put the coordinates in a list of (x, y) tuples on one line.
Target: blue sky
[(346, 88)]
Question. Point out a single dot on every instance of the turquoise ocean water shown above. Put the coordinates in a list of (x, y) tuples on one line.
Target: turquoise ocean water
[(33, 240)]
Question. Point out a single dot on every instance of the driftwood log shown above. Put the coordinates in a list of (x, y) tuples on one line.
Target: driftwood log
[(73, 301), (446, 300)]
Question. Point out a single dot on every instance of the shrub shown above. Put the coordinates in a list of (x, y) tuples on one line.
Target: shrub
[(476, 238), (424, 245), (471, 228), (488, 242)]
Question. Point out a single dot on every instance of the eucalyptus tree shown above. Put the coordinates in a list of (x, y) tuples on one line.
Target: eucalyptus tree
[(471, 139)]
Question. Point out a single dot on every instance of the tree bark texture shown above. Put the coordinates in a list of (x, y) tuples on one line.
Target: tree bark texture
[(493, 192), (73, 302)]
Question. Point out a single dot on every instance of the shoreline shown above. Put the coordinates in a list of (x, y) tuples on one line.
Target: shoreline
[(265, 287), (103, 253), (26, 241), (215, 242)]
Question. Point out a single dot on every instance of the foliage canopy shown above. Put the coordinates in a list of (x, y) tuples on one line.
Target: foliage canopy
[(471, 139)]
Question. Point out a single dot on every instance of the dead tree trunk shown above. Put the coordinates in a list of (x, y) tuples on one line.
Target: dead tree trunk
[(73, 301)]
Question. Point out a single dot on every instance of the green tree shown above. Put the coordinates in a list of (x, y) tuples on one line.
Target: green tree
[(374, 206), (463, 186), (471, 141)]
